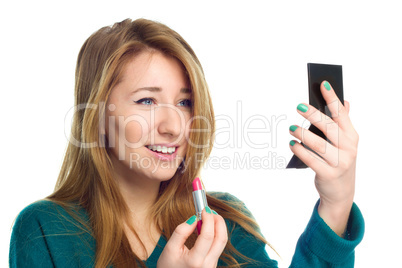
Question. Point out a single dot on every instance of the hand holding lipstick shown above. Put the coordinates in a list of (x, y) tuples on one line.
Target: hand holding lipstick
[(207, 249)]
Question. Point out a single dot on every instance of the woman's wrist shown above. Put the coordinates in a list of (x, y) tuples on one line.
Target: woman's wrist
[(336, 216)]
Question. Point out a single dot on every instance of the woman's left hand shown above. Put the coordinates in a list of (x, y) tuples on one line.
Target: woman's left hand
[(335, 171)]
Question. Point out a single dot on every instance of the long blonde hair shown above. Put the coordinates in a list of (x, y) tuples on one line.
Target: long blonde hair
[(86, 174)]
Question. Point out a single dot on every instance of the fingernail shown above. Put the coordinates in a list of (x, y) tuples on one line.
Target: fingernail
[(191, 220), (292, 143), (327, 86), (302, 108), (293, 128), (213, 211), (208, 210)]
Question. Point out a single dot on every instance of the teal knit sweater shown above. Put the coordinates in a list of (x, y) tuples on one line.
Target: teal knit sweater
[(45, 235)]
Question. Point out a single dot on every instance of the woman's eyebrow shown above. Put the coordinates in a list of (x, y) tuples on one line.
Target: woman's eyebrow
[(185, 90), (151, 89), (158, 89)]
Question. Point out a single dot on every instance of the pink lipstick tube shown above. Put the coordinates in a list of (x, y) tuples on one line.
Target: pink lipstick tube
[(200, 201)]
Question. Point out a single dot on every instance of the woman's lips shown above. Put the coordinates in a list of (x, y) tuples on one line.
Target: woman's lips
[(163, 156)]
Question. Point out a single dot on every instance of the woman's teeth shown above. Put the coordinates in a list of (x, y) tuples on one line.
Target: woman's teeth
[(161, 149)]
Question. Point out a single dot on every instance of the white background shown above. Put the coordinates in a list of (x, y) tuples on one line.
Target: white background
[(254, 54)]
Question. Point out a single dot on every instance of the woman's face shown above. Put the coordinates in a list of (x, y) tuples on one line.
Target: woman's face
[(148, 118)]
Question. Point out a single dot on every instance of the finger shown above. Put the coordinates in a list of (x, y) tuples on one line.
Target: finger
[(182, 232), (317, 144), (206, 238), (321, 121), (338, 111), (347, 106), (220, 241), (309, 158)]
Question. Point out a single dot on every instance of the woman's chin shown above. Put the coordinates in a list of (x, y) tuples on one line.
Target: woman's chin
[(162, 173)]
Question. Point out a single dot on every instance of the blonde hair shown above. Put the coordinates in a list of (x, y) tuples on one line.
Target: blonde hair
[(86, 174)]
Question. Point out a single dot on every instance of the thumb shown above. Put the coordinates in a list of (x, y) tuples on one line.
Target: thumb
[(182, 232)]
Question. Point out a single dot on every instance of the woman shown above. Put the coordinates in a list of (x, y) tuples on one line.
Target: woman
[(142, 129)]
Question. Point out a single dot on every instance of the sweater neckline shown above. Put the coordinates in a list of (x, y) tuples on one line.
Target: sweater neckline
[(153, 258)]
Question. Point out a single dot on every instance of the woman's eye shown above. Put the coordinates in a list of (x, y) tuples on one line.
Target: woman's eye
[(145, 101), (150, 101), (186, 103)]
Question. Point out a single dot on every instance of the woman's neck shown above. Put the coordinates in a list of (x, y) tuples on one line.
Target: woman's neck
[(140, 193), (139, 196)]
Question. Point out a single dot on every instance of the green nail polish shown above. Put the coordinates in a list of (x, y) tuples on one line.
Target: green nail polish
[(213, 211), (191, 220), (302, 108), (293, 128), (292, 143), (208, 210), (327, 86)]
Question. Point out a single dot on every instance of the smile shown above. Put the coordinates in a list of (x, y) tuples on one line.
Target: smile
[(161, 149)]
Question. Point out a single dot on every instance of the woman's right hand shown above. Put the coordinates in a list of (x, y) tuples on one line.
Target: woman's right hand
[(207, 248)]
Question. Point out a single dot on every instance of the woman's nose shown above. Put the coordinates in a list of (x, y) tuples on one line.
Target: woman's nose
[(171, 120)]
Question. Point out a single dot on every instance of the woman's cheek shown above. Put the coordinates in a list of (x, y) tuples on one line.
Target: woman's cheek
[(136, 133)]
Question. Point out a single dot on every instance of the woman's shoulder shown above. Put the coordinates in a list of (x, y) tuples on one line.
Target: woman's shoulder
[(229, 199), (224, 196), (245, 235), (232, 201), (44, 210), (36, 212), (48, 234), (46, 214), (39, 209)]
